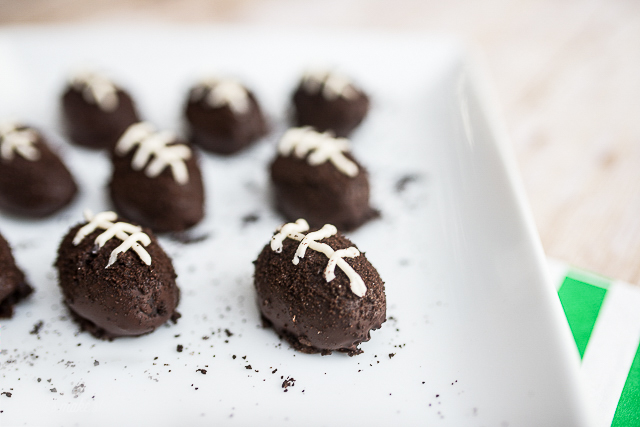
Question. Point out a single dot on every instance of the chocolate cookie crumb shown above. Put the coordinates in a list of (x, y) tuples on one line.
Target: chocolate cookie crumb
[(202, 371), (404, 181), (179, 348), (6, 393), (36, 328), (250, 218), (289, 382)]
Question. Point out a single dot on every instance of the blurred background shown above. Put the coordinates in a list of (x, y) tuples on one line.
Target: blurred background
[(567, 78)]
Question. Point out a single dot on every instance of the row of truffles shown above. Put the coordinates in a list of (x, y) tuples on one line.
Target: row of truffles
[(156, 179), (314, 287), (222, 115)]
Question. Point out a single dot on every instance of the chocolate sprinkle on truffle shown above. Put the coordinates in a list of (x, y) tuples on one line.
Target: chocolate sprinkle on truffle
[(90, 125), (314, 315), (129, 298), (321, 194), (160, 203), (220, 128), (35, 187), (338, 113)]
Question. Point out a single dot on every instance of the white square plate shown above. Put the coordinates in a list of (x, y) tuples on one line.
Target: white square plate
[(475, 334)]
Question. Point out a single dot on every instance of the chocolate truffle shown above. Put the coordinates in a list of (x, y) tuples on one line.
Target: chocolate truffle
[(115, 277), (318, 291), (329, 101), (156, 180), (13, 286), (315, 177), (223, 116), (33, 180), (96, 111)]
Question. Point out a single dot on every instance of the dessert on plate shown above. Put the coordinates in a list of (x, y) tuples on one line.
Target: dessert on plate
[(96, 111), (329, 101), (115, 278), (223, 116), (156, 180), (34, 182), (315, 177), (317, 290)]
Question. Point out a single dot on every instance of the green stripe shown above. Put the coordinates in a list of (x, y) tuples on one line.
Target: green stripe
[(581, 302), (628, 411)]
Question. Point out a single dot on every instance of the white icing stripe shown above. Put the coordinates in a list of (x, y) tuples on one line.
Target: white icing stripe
[(320, 147), (16, 140), (131, 242), (220, 92), (154, 151), (129, 234), (327, 230), (284, 232), (333, 85), (329, 272), (292, 231), (121, 230), (97, 89)]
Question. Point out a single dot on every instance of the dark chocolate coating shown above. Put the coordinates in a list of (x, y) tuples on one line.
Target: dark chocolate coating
[(35, 188), (314, 315), (340, 115), (321, 194), (90, 126), (128, 298), (221, 130), (13, 286), (159, 203)]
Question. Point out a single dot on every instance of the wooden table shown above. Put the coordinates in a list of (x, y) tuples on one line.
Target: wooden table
[(567, 75)]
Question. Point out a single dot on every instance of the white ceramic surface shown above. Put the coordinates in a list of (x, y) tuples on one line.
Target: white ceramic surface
[(475, 336)]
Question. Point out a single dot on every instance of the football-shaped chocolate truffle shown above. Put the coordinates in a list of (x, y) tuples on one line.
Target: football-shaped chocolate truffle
[(329, 101), (318, 291), (33, 180), (96, 111), (315, 177), (223, 116), (115, 277), (13, 286), (156, 180)]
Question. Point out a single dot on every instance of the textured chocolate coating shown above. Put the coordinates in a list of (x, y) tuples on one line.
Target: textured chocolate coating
[(159, 203), (321, 194), (314, 315), (129, 298), (220, 129), (88, 125), (35, 188), (13, 286), (339, 115)]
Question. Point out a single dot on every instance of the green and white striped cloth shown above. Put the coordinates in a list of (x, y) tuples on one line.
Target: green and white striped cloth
[(604, 317)]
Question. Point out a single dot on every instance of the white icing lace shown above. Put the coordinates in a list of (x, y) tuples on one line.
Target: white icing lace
[(218, 93), (293, 230), (16, 140), (97, 89), (322, 147), (154, 151), (332, 85), (131, 235)]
